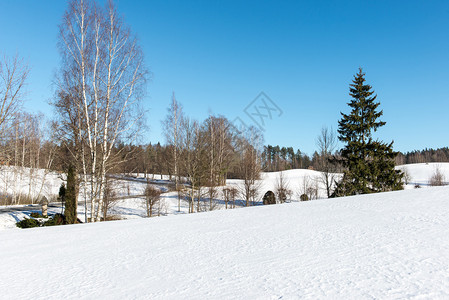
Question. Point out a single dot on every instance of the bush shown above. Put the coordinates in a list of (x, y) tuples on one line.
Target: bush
[(269, 198), (109, 218), (304, 197), (437, 178), (57, 219), (152, 200), (28, 223), (36, 215)]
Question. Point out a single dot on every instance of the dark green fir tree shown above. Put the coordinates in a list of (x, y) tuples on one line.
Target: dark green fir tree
[(368, 163), (71, 202)]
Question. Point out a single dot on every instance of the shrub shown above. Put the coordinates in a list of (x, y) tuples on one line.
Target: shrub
[(304, 197), (407, 177), (269, 198), (57, 219), (35, 215), (152, 200), (437, 178), (109, 218), (28, 223)]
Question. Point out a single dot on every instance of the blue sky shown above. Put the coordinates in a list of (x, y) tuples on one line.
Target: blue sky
[(217, 56)]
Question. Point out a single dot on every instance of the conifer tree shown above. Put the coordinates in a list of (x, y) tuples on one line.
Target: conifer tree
[(70, 197), (368, 163)]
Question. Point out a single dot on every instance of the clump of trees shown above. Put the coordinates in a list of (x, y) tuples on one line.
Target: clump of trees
[(99, 87), (229, 195), (23, 143), (204, 154), (276, 158)]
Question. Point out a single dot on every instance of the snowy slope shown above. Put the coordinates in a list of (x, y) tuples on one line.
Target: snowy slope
[(132, 208), (421, 173), (385, 246)]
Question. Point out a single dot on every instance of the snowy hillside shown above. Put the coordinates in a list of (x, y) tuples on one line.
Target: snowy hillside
[(384, 246), (131, 206), (421, 173)]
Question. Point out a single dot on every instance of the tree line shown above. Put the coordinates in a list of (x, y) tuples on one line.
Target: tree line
[(276, 158), (423, 156)]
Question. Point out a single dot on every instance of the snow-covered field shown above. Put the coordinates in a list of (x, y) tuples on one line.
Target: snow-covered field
[(381, 246), (133, 207), (421, 173)]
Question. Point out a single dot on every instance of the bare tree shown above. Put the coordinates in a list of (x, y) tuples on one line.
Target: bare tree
[(110, 197), (13, 75), (308, 188), (437, 178), (172, 129), (282, 189), (100, 85), (250, 165), (327, 142), (193, 159), (212, 193), (152, 200), (407, 177), (218, 140), (229, 195)]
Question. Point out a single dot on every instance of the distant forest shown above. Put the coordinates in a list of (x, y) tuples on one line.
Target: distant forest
[(155, 159), (276, 158), (423, 156)]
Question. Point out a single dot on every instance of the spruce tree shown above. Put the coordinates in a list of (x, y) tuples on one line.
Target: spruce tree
[(368, 163), (62, 196), (70, 197)]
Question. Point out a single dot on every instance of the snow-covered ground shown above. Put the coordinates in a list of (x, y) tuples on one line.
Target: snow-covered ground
[(381, 246), (421, 173), (133, 207)]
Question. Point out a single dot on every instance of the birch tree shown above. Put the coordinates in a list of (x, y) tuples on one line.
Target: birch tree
[(219, 148), (327, 142), (193, 160), (100, 85), (172, 129), (250, 164), (13, 75), (282, 189)]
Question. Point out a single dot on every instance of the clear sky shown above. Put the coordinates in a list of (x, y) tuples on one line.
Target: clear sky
[(218, 56)]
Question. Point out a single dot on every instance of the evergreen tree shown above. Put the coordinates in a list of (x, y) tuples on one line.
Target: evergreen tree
[(70, 197), (62, 196), (369, 164)]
